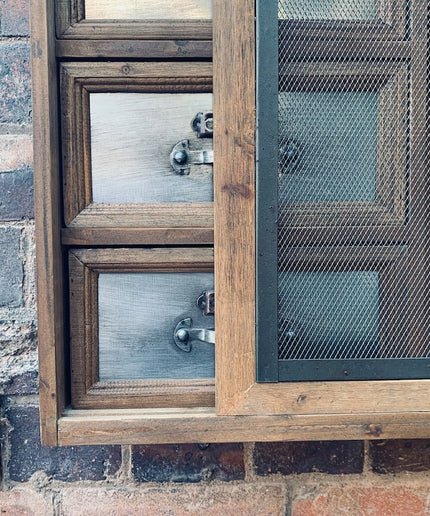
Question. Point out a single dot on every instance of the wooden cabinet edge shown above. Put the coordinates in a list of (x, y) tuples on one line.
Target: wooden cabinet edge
[(203, 425)]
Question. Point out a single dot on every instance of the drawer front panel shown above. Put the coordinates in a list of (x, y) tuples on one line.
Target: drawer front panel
[(132, 137), (137, 317)]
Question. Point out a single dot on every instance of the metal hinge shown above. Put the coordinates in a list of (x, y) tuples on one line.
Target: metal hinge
[(182, 156)]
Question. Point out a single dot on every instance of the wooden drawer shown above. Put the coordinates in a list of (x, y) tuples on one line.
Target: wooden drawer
[(120, 123), (125, 305)]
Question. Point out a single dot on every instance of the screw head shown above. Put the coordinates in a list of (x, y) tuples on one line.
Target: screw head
[(180, 157)]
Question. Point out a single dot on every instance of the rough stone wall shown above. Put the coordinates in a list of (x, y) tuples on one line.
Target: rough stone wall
[(296, 479)]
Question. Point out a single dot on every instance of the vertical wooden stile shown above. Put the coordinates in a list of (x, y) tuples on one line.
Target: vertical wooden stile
[(234, 196), (47, 214)]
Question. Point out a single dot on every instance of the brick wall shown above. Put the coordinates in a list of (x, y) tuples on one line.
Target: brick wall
[(300, 479)]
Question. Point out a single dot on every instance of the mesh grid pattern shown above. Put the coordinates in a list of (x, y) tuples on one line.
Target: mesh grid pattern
[(353, 209)]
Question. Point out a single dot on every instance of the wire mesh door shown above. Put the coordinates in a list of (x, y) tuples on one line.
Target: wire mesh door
[(342, 190)]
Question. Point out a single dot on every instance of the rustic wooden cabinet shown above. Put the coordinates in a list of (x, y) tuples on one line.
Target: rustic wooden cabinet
[(130, 236)]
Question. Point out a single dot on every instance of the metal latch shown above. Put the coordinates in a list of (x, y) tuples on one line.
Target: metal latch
[(182, 156), (203, 124), (206, 302), (184, 334)]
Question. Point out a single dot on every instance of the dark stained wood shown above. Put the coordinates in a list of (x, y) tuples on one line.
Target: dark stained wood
[(71, 24), (136, 236), (343, 258), (295, 50), (133, 49), (419, 182), (150, 29), (47, 214)]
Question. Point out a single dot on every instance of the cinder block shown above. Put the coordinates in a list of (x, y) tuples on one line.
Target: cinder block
[(24, 503), (16, 195), (360, 501), (197, 500)]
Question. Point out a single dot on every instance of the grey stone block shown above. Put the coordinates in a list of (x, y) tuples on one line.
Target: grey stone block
[(11, 269)]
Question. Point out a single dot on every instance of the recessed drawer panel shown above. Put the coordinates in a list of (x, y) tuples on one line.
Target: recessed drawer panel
[(132, 137), (137, 147), (138, 313), (141, 334)]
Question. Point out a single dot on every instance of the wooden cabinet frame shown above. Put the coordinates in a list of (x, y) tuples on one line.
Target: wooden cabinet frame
[(72, 24), (87, 391), (245, 410), (88, 223)]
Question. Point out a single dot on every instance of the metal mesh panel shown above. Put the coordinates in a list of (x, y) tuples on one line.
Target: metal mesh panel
[(352, 201)]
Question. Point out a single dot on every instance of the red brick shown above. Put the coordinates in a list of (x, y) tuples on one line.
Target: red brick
[(361, 501), (196, 500), (16, 152), (23, 503)]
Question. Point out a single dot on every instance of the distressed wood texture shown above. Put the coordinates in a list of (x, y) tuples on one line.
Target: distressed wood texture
[(107, 19), (78, 427), (47, 214), (122, 353), (234, 187), (135, 49), (236, 389)]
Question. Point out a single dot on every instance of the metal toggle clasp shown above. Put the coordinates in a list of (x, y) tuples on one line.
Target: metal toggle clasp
[(203, 124), (184, 334), (182, 157)]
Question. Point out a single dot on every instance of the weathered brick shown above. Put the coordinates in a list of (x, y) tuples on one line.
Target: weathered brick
[(15, 92), (24, 384), (187, 462), (24, 503), (11, 268), (16, 152), (69, 464), (395, 456), (16, 195), (14, 17), (196, 500), (360, 501), (18, 356), (289, 458)]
